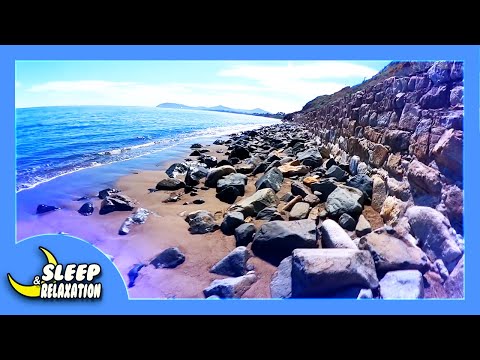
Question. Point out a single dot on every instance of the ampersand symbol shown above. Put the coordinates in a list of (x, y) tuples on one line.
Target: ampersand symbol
[(36, 280)]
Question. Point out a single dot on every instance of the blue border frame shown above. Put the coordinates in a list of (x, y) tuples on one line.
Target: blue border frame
[(470, 56)]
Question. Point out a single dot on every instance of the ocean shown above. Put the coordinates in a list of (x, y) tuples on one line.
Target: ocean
[(71, 150)]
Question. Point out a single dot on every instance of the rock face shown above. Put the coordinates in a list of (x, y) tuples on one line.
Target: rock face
[(201, 222), (169, 258), (281, 284), (170, 184), (276, 240), (217, 173), (272, 179), (402, 284), (234, 264), (116, 202), (230, 287), (329, 272), (333, 236), (391, 252), (432, 229), (252, 205)]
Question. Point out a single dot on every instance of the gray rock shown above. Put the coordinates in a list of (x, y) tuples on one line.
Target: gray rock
[(454, 285), (435, 98), (269, 214), (333, 236), (353, 165), (236, 180), (272, 179), (201, 222), (424, 178), (231, 221), (362, 168), (363, 226), (456, 96), (260, 168), (230, 287), (299, 189), (336, 172), (210, 161), (170, 184), (195, 174), (244, 234), (365, 294), (116, 202), (329, 272), (281, 284), (138, 217), (276, 240), (402, 284), (169, 258), (234, 264), (439, 72), (239, 152), (228, 194), (217, 173), (432, 229), (253, 204), (364, 183), (325, 187), (410, 117), (176, 169), (347, 222), (390, 252), (312, 199), (299, 211), (310, 158), (344, 200), (441, 269), (379, 193)]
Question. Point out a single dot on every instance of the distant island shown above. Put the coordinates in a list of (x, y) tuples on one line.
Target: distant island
[(220, 108)]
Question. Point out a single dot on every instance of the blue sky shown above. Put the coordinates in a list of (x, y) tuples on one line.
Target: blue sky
[(271, 85)]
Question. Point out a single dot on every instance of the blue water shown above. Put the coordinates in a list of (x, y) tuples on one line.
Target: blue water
[(63, 152)]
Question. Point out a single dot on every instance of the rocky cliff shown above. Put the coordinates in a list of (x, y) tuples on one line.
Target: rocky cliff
[(405, 124)]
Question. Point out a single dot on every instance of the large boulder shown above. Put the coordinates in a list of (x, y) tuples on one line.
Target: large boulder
[(344, 199), (233, 287), (363, 183), (244, 234), (217, 173), (195, 174), (234, 179), (239, 152), (433, 231), (333, 236), (170, 184), (176, 169), (281, 284), (234, 264), (228, 194), (391, 251), (276, 240), (251, 205), (272, 179), (201, 222), (116, 202), (169, 258), (310, 158), (402, 284), (320, 273), (231, 221)]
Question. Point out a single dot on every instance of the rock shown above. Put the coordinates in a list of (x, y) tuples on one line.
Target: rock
[(310, 158), (252, 205), (236, 180), (201, 222), (320, 273), (116, 202), (42, 209), (272, 179), (230, 287), (194, 175), (281, 284), (138, 217), (394, 164), (329, 163), (363, 183), (325, 187), (107, 192), (336, 172), (454, 284), (169, 258), (234, 160), (86, 209), (224, 162), (309, 180), (456, 96), (299, 211), (218, 142), (453, 200), (170, 184), (435, 98), (379, 193), (402, 284), (245, 168), (198, 201), (244, 234), (217, 173), (333, 236), (195, 153), (210, 161), (196, 146), (432, 229), (365, 294), (362, 169), (231, 221), (441, 269), (269, 214), (287, 197), (289, 170), (289, 206), (133, 274), (457, 71), (392, 210), (391, 252), (379, 155), (398, 140), (424, 178), (260, 168), (399, 189), (448, 153), (228, 195), (410, 117), (353, 164), (344, 200), (439, 72), (276, 240), (299, 189), (176, 169), (347, 222), (312, 200), (363, 226), (234, 264), (239, 152)]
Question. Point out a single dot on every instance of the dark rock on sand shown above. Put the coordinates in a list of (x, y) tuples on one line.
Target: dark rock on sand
[(198, 201), (86, 209), (201, 222), (239, 152), (218, 142), (260, 168), (234, 264), (363, 183), (269, 214), (210, 161), (176, 169), (236, 180), (244, 234), (42, 209), (107, 192), (216, 174), (169, 258), (336, 172), (272, 179), (133, 274), (325, 187), (170, 184), (231, 221), (310, 158), (196, 146), (299, 189), (116, 202), (224, 162), (230, 287), (281, 284), (195, 153), (195, 174), (228, 194), (276, 240)]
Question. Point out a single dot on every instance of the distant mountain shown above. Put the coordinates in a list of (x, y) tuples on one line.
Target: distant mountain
[(219, 108)]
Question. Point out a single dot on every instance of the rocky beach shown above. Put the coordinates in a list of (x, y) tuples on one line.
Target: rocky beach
[(359, 195)]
